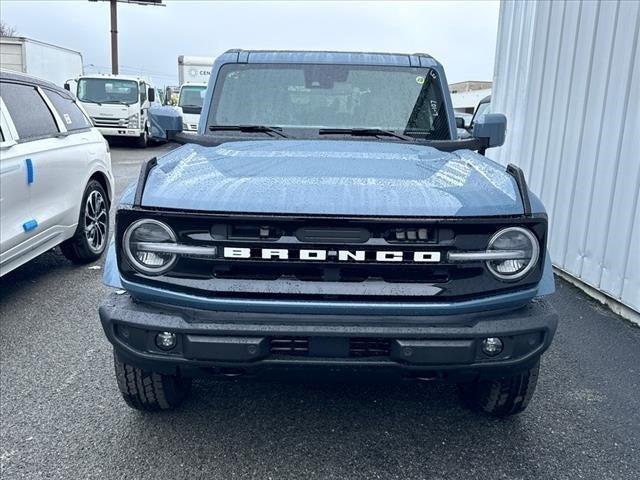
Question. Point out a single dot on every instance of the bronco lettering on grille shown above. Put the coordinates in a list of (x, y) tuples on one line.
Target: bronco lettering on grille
[(315, 255)]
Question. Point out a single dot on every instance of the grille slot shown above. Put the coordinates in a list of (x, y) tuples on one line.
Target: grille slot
[(332, 235), (358, 347), (110, 122), (369, 347), (332, 273), (290, 346)]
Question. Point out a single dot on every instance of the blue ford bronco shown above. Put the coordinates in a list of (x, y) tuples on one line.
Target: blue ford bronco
[(327, 217)]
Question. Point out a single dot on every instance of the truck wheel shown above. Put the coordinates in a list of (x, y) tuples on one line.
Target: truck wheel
[(90, 238), (143, 139), (501, 397), (150, 391)]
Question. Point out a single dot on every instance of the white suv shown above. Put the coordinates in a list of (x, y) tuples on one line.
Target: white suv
[(56, 183)]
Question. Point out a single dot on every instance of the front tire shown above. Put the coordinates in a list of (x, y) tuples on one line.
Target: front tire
[(501, 397), (90, 239), (150, 391), (143, 139)]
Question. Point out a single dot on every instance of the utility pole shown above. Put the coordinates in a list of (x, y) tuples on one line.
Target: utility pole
[(114, 26), (114, 37)]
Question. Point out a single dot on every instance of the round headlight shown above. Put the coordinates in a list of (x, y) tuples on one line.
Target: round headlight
[(521, 246), (138, 245)]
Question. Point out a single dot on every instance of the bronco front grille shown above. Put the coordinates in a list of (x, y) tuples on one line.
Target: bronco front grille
[(249, 275)]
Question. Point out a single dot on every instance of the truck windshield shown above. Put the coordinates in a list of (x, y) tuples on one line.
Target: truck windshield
[(398, 99), (192, 96), (107, 90)]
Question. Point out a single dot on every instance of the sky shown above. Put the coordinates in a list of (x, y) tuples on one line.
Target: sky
[(460, 34)]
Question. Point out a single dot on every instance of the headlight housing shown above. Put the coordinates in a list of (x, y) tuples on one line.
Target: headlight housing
[(525, 248), (134, 121), (137, 244)]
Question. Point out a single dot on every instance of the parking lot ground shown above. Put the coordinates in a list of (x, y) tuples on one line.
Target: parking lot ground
[(62, 416)]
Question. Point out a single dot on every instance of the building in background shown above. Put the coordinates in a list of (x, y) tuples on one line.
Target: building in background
[(466, 95), (567, 76), (42, 60)]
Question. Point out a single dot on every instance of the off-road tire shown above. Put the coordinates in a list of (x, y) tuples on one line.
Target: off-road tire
[(501, 397), (77, 248), (150, 391)]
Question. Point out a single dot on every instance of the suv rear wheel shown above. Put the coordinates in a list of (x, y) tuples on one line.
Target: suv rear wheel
[(150, 391), (503, 396), (90, 238)]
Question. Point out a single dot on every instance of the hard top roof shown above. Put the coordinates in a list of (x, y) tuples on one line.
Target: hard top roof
[(333, 57)]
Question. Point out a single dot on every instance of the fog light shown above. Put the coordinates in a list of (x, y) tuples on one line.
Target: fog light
[(492, 346), (166, 340)]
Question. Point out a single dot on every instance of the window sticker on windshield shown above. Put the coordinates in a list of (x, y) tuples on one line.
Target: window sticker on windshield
[(67, 118), (419, 80), (434, 108)]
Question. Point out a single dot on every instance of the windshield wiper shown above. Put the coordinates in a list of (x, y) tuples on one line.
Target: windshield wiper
[(119, 102), (249, 128), (90, 101), (365, 132)]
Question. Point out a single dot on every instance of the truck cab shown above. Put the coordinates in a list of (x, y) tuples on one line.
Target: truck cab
[(326, 216), (118, 105), (190, 101)]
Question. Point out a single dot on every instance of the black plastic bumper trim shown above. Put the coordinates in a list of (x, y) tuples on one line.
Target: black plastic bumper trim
[(243, 343)]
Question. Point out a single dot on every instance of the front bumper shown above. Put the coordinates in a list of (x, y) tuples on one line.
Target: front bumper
[(119, 131), (216, 341)]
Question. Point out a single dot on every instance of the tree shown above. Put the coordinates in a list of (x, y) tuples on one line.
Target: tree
[(7, 31)]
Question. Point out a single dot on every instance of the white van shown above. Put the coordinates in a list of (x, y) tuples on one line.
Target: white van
[(190, 105), (56, 183), (117, 104)]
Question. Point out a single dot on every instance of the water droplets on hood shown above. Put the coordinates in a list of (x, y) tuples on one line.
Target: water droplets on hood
[(331, 178)]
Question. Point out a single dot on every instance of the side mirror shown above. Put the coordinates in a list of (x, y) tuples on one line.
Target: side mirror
[(67, 86), (460, 122), (167, 95), (151, 95), (164, 122), (491, 127)]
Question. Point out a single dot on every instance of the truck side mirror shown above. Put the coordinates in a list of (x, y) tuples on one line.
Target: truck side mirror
[(67, 86), (164, 122), (151, 95), (167, 96), (460, 122), (491, 127)]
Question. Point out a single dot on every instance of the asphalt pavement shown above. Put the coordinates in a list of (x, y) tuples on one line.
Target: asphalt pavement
[(62, 415)]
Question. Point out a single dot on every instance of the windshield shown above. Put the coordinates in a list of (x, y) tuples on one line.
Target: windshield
[(107, 90), (400, 99), (192, 96)]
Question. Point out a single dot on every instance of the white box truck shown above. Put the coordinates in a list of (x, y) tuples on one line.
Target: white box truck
[(194, 69), (117, 104), (190, 102), (43, 60)]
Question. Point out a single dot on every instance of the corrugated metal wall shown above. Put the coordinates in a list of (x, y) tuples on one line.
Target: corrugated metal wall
[(567, 76)]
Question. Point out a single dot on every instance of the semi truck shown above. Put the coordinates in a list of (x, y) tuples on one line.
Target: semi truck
[(39, 59)]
